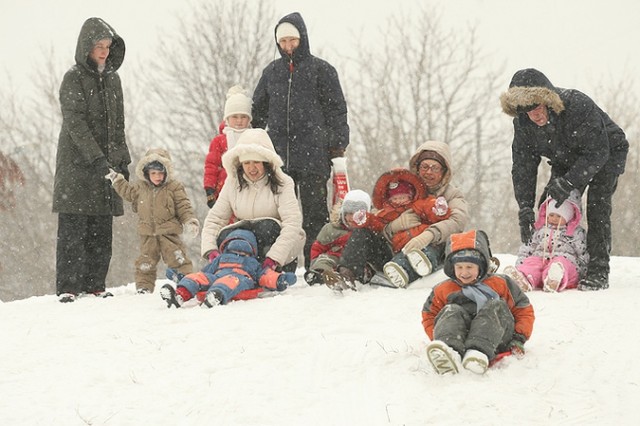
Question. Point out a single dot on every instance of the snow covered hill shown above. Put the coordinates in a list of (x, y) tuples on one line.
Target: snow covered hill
[(311, 357)]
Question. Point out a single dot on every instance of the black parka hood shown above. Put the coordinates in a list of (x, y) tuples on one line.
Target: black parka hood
[(302, 51), (530, 87), (92, 31)]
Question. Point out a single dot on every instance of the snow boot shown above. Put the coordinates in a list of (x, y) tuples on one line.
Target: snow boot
[(594, 281), (475, 361), (443, 358), (174, 297), (342, 279), (396, 274), (420, 262), (213, 298), (554, 277), (66, 298), (518, 278), (313, 277)]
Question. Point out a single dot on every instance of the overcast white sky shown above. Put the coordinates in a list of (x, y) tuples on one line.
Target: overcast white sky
[(575, 42)]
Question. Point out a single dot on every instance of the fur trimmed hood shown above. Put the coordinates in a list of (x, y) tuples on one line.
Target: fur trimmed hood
[(255, 141), (397, 175), (156, 154), (443, 150), (529, 88)]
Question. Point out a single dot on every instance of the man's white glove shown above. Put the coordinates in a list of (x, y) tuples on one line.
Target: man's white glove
[(418, 242), (192, 228)]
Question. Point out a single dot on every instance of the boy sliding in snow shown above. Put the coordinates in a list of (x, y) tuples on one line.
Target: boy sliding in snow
[(475, 314), (556, 257), (163, 209), (328, 246), (234, 271)]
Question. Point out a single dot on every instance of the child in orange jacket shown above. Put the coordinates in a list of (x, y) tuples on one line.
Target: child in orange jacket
[(395, 192), (475, 314)]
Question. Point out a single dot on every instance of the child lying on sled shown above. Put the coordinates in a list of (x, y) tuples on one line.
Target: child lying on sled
[(235, 271)]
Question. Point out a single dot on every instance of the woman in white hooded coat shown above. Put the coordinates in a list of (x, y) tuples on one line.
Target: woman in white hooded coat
[(259, 197)]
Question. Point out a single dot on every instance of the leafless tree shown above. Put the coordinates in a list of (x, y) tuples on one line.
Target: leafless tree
[(430, 82)]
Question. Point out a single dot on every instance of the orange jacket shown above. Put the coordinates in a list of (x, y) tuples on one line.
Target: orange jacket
[(450, 291)]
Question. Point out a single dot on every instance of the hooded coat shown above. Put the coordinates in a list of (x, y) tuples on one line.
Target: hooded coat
[(163, 209), (569, 241), (301, 103), (423, 204), (92, 128), (450, 291), (455, 199), (580, 140), (256, 201)]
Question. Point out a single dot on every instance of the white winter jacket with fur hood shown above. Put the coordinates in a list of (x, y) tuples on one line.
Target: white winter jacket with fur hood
[(256, 201)]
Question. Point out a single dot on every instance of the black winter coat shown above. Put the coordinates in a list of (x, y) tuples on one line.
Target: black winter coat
[(580, 140), (92, 129), (302, 107)]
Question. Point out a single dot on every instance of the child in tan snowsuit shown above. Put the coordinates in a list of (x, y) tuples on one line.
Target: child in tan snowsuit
[(163, 209)]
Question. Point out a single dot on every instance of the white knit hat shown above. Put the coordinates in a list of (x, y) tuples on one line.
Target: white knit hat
[(238, 102), (286, 30), (565, 209)]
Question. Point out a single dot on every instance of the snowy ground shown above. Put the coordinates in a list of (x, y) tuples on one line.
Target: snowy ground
[(311, 357)]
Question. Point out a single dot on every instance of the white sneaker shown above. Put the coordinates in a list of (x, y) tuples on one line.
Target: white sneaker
[(475, 361), (444, 359), (420, 262), (396, 274), (518, 277), (554, 277)]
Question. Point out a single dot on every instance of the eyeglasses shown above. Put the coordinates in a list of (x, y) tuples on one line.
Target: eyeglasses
[(435, 168)]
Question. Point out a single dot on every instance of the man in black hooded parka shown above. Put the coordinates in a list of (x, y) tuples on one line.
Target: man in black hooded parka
[(585, 148), (300, 102)]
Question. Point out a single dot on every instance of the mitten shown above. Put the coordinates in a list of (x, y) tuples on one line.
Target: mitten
[(269, 263), (111, 175), (418, 242), (360, 217), (211, 196), (559, 189), (336, 152), (526, 218), (517, 345), (192, 228), (441, 207), (212, 255), (407, 220), (285, 280)]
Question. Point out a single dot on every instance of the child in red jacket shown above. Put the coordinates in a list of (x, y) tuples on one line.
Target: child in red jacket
[(395, 192), (237, 118), (475, 314)]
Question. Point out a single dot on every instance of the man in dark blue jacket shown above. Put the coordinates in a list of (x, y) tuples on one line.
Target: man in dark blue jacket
[(300, 102), (584, 147)]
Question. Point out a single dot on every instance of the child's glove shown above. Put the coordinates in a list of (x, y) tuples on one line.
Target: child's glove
[(441, 207), (211, 196), (269, 263), (112, 175), (517, 345), (418, 242), (286, 279), (360, 217), (192, 228), (212, 255)]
